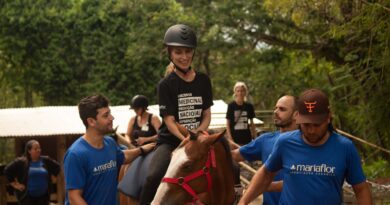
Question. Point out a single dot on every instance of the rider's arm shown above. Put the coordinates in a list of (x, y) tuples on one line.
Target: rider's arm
[(205, 122), (75, 197), (363, 193), (169, 120), (259, 184)]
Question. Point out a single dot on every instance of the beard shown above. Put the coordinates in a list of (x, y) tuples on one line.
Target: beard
[(314, 139), (283, 124), (106, 130)]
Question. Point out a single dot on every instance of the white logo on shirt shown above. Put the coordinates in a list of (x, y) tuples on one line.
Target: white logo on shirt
[(242, 120), (104, 167), (189, 111), (322, 169)]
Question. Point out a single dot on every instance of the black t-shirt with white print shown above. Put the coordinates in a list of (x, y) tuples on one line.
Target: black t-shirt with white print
[(183, 100), (239, 115)]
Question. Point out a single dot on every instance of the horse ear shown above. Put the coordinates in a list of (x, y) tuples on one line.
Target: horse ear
[(182, 129), (211, 139)]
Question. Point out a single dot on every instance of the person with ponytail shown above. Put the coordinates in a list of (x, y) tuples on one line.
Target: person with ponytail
[(185, 97), (30, 175)]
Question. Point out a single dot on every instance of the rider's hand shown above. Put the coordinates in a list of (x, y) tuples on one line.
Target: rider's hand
[(141, 140), (148, 147)]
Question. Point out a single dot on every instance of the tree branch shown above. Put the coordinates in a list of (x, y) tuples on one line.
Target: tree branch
[(376, 4)]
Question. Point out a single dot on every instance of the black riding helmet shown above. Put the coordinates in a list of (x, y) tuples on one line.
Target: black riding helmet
[(180, 35), (139, 101)]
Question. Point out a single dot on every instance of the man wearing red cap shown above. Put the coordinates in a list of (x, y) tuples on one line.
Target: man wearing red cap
[(315, 159)]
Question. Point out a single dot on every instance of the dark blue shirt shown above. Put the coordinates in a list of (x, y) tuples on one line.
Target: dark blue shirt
[(37, 179)]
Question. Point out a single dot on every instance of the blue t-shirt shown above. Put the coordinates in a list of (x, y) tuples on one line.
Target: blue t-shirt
[(315, 174), (93, 170), (37, 179), (260, 149)]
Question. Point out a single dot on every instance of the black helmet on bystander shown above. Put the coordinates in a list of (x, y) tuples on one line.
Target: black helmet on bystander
[(139, 101)]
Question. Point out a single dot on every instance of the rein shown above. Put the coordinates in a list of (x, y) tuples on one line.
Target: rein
[(183, 181)]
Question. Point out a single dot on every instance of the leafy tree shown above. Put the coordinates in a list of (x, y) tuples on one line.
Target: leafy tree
[(27, 31)]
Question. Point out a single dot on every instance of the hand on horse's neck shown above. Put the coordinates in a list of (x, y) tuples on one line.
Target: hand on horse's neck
[(188, 77)]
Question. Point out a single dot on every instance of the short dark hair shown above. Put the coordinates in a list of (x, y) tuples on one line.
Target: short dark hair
[(88, 107)]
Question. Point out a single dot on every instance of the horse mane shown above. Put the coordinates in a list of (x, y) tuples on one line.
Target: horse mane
[(226, 146), (223, 140)]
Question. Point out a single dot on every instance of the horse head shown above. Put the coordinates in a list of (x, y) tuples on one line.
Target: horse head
[(199, 172)]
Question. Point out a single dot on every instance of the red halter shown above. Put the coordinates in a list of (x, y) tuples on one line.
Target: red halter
[(183, 181)]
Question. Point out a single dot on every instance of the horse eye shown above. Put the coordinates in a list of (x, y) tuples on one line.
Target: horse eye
[(187, 165)]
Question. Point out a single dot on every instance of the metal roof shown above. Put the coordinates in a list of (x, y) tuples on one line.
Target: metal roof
[(65, 120)]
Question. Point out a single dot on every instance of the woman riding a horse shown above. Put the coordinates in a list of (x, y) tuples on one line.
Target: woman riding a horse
[(185, 97)]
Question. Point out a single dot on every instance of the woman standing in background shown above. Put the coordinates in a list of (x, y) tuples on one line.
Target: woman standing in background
[(239, 116), (30, 175)]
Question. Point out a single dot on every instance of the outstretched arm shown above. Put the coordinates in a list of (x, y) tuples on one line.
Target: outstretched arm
[(131, 154), (237, 157), (259, 184), (363, 193)]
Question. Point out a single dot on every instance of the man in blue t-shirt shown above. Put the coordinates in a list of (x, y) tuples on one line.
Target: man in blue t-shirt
[(91, 164), (315, 159), (259, 149)]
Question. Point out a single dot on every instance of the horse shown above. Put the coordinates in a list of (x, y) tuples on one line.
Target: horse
[(200, 172)]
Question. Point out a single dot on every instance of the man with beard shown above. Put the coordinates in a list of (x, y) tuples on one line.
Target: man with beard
[(91, 164), (259, 149), (315, 159)]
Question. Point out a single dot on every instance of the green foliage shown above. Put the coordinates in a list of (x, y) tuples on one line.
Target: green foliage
[(6, 151), (53, 53), (379, 168)]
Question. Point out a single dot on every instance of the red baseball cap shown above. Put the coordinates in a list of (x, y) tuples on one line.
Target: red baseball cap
[(313, 107)]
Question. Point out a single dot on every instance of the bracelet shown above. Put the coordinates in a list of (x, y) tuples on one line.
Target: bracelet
[(142, 151)]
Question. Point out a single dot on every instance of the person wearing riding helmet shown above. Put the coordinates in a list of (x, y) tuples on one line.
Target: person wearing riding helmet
[(185, 97), (142, 129), (143, 126)]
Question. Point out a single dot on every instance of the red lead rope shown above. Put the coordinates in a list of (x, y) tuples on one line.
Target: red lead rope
[(183, 181)]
